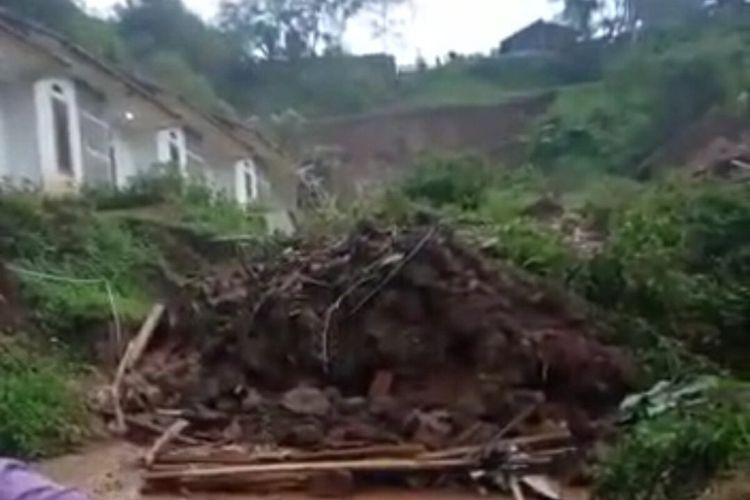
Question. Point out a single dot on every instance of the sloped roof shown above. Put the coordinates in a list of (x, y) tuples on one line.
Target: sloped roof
[(542, 24)]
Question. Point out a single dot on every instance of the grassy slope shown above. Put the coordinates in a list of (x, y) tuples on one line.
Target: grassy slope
[(133, 248)]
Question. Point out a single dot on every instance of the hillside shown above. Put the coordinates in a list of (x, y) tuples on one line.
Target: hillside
[(577, 310), (210, 66)]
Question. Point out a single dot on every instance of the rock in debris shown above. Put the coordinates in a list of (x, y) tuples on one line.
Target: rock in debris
[(306, 401), (253, 401), (305, 435)]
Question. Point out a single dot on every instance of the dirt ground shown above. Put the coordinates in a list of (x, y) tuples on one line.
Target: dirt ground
[(108, 471)]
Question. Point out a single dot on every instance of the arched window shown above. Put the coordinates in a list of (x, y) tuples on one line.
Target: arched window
[(247, 182), (61, 129)]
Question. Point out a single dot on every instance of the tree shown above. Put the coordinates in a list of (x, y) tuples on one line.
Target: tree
[(53, 13), (650, 14), (150, 26), (383, 24), (614, 17), (581, 15), (287, 29)]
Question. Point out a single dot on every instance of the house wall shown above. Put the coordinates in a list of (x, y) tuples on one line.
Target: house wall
[(223, 178), (141, 153), (21, 150)]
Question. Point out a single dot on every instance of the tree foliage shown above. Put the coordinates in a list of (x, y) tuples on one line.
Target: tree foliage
[(614, 17), (287, 29)]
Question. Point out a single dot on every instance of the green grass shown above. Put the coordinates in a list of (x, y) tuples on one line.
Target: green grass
[(41, 412), (66, 238)]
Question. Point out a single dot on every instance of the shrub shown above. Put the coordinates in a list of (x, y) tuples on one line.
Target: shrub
[(677, 257), (536, 249), (674, 455), (164, 193), (457, 181), (650, 91), (40, 412)]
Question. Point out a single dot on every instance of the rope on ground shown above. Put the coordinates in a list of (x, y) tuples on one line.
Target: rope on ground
[(78, 281)]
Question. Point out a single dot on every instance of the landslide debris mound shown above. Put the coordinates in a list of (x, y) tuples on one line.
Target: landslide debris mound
[(387, 334)]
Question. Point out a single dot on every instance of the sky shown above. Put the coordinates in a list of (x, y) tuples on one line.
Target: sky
[(427, 28)]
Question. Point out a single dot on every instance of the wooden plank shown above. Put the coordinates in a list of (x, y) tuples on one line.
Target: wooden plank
[(523, 441), (256, 483), (226, 457), (379, 465)]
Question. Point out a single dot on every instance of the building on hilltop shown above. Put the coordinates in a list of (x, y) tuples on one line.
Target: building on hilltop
[(540, 37), (69, 119)]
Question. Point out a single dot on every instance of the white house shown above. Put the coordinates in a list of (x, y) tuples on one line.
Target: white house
[(68, 119)]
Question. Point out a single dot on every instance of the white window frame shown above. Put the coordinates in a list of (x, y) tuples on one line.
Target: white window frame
[(245, 192), (45, 93)]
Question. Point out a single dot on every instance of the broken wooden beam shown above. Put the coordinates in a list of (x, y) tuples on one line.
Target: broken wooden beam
[(227, 457), (559, 437), (164, 440), (374, 465), (133, 353)]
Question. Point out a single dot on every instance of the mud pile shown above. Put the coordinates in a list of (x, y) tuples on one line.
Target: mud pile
[(402, 340), (390, 335)]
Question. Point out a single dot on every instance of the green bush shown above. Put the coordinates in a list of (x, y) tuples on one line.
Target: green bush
[(649, 93), (677, 257), (456, 181), (536, 249), (164, 193), (673, 456), (40, 412)]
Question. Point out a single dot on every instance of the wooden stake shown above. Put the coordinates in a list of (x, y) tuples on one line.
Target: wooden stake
[(133, 353), (167, 437)]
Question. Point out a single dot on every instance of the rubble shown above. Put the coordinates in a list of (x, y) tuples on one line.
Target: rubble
[(397, 353)]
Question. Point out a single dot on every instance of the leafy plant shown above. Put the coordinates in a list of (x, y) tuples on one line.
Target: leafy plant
[(40, 412), (457, 181), (677, 257), (649, 92), (164, 193), (674, 455)]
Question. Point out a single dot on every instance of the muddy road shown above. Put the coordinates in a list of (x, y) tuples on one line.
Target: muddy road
[(108, 471)]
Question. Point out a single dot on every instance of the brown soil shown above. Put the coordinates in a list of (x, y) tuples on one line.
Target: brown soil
[(733, 487)]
